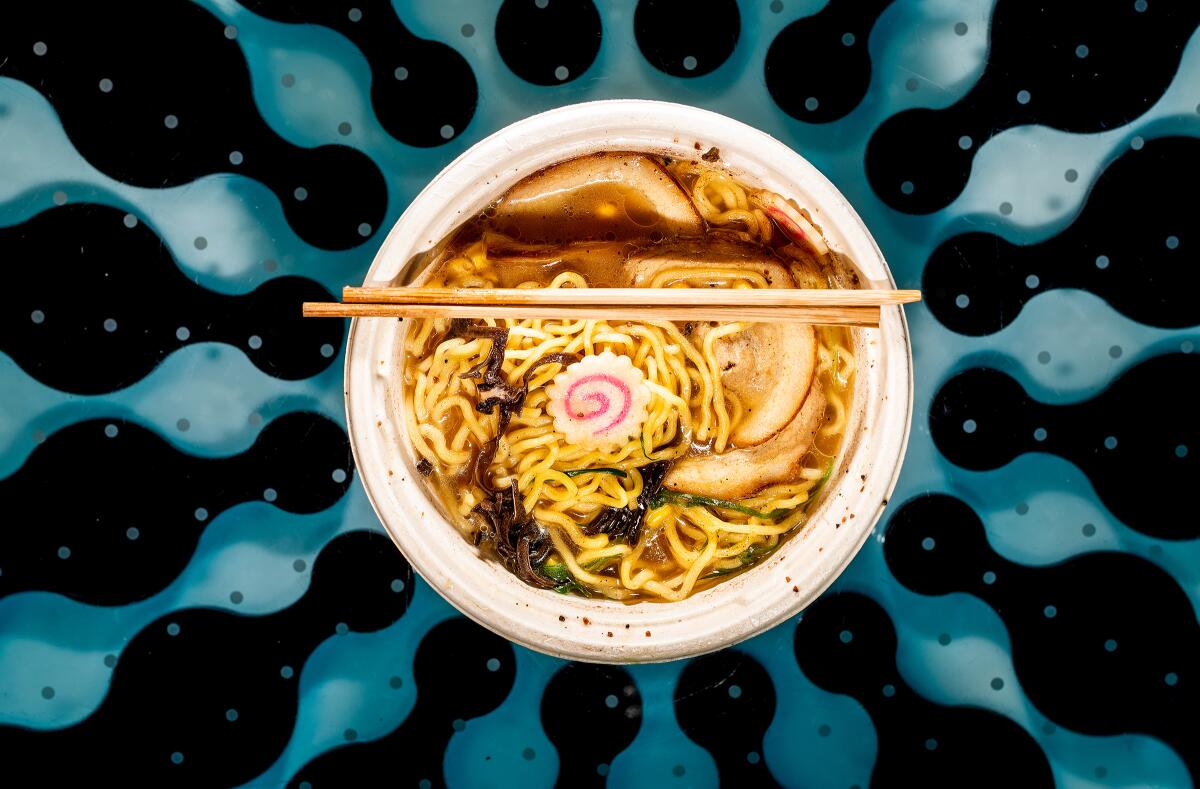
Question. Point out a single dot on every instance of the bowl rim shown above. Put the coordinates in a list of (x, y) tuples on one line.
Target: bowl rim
[(492, 596)]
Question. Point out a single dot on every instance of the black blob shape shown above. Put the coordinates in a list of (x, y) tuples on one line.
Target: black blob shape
[(164, 109), (91, 484), (724, 702), (167, 719), (424, 92), (1049, 64), (591, 713), (92, 305), (1103, 643), (537, 41), (462, 671), (1135, 254), (846, 644), (684, 38), (835, 37), (982, 419)]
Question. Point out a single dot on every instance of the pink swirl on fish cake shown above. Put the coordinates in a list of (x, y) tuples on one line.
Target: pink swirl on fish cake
[(602, 400)]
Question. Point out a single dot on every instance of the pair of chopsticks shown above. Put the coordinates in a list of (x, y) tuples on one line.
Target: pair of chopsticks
[(830, 307)]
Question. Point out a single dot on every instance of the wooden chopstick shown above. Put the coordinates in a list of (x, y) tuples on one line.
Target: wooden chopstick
[(862, 316), (633, 297), (845, 307)]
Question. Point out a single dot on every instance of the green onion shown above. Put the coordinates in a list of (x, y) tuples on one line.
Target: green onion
[(812, 494), (599, 564), (616, 472), (747, 557), (566, 582), (694, 500)]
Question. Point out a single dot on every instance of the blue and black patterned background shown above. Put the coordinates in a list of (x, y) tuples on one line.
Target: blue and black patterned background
[(193, 587)]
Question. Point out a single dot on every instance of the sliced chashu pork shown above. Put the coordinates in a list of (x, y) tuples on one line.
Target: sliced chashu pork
[(769, 367), (616, 196), (740, 473)]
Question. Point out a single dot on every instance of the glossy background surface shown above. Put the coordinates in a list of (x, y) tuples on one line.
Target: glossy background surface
[(193, 589)]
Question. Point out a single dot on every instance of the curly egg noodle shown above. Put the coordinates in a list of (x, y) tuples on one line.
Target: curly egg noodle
[(684, 545)]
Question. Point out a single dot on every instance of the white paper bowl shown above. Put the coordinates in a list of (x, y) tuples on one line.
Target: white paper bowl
[(599, 630)]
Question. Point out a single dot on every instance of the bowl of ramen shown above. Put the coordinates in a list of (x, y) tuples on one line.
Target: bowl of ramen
[(620, 490)]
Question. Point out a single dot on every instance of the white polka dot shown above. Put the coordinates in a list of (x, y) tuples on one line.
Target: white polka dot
[(111, 431), (235, 157), (300, 193), (327, 350), (690, 63), (354, 14), (401, 73), (64, 552), (37, 316), (1140, 6), (270, 495), (811, 103), (1023, 97), (110, 325), (961, 301), (1102, 261), (541, 3), (1172, 242), (965, 142), (132, 533), (339, 475), (561, 73), (230, 32), (1081, 51), (364, 229), (848, 39), (969, 426), (201, 514), (255, 342), (906, 187), (1110, 442), (59, 197), (1137, 143), (1039, 434), (170, 121), (106, 85), (130, 221), (182, 333), (39, 48), (493, 664), (1032, 281), (610, 701)]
